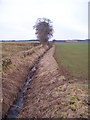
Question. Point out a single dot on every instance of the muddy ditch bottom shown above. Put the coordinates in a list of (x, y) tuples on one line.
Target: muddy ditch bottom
[(17, 106)]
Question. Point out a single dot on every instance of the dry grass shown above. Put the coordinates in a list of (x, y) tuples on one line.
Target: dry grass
[(11, 48), (17, 59), (14, 50)]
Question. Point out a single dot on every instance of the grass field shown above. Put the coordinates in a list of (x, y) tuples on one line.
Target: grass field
[(73, 57), (11, 48), (16, 51)]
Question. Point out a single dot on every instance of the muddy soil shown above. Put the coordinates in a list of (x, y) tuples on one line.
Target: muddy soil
[(51, 95)]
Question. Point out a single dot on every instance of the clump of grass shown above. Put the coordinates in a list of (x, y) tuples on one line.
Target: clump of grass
[(73, 99), (6, 62), (73, 103), (28, 53)]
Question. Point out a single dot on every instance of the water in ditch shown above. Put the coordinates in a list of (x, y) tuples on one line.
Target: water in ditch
[(15, 109)]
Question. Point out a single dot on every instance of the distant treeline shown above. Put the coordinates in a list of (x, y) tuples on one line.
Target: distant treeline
[(19, 40), (86, 40)]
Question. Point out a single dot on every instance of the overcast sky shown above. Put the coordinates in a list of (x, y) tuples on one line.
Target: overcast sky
[(69, 17)]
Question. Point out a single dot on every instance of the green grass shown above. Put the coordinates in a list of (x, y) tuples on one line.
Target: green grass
[(74, 57)]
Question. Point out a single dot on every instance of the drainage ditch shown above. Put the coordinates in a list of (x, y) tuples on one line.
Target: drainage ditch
[(15, 109)]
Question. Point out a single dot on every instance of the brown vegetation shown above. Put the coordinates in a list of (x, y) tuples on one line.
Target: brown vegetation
[(17, 60)]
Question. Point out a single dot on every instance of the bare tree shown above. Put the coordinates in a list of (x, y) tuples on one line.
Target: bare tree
[(44, 30)]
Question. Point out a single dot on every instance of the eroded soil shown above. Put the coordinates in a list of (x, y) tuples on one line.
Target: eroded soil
[(51, 94)]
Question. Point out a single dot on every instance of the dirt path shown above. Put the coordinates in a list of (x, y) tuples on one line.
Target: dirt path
[(50, 94)]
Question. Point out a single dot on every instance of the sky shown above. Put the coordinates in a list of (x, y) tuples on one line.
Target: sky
[(69, 17)]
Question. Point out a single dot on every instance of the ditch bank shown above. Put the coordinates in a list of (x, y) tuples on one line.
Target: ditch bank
[(14, 84), (51, 95)]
